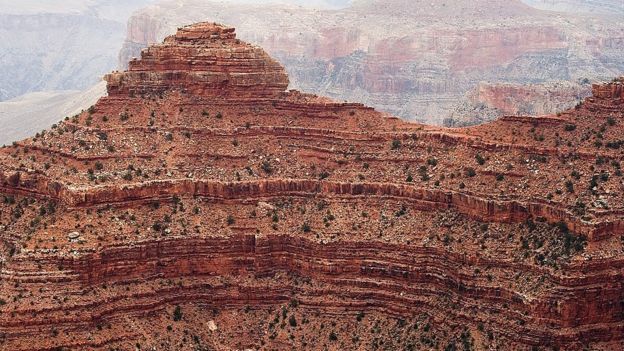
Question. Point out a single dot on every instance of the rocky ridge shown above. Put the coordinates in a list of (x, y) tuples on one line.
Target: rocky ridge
[(200, 205)]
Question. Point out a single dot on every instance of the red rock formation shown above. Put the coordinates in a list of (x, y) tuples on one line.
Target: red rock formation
[(612, 92), (200, 205), (202, 60), (534, 100)]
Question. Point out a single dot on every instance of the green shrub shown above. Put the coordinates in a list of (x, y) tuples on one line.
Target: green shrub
[(292, 321), (177, 313), (480, 159), (306, 227), (396, 144), (470, 172)]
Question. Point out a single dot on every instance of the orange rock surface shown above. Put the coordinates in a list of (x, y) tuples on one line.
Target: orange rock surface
[(201, 206)]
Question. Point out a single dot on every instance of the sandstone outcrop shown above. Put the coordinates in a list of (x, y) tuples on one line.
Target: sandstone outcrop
[(202, 60), (201, 205)]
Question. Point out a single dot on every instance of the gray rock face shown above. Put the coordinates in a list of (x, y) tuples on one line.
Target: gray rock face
[(68, 46), (55, 52)]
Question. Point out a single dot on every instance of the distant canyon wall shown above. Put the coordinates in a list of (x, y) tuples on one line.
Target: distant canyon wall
[(61, 47), (429, 66)]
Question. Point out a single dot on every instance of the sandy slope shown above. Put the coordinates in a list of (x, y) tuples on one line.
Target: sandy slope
[(25, 115)]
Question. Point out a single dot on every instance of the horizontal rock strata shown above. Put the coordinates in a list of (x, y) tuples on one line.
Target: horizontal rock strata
[(201, 205)]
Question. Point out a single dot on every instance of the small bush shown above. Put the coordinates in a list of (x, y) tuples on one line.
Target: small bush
[(230, 220), (266, 167), (306, 227), (292, 321), (480, 159), (177, 313), (396, 144), (593, 183), (569, 186), (470, 172)]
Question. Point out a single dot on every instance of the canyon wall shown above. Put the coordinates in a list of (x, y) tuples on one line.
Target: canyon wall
[(202, 205), (69, 46), (425, 66)]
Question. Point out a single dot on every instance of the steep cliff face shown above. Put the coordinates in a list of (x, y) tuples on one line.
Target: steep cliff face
[(200, 205), (423, 66), (202, 60), (532, 99)]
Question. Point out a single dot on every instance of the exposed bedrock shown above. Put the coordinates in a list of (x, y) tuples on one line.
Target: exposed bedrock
[(397, 279), (200, 188)]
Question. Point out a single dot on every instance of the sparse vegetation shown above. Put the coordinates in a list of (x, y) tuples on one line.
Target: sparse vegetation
[(396, 144), (470, 172), (480, 160), (177, 314)]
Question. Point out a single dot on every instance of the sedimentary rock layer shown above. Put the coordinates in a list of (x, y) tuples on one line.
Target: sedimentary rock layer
[(201, 206)]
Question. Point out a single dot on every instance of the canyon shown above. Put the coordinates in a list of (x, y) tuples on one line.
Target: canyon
[(421, 60), (202, 205), (454, 64)]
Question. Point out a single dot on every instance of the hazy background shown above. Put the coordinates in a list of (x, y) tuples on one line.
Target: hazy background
[(455, 62)]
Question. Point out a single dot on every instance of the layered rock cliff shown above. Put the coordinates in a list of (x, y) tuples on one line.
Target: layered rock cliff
[(487, 101), (200, 205), (419, 60)]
